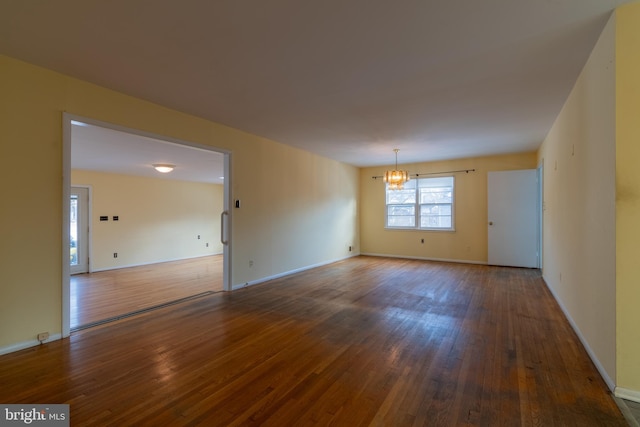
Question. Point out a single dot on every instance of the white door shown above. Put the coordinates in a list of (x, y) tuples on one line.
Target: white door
[(79, 230), (513, 218)]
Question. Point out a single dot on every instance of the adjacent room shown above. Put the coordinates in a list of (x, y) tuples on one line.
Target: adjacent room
[(160, 241), (333, 213)]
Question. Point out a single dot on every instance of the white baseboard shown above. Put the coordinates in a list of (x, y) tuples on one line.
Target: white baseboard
[(95, 270), (627, 394), (309, 267), (605, 376), (458, 261), (27, 344), (288, 273)]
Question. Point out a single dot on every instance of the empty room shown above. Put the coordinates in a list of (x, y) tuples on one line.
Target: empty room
[(160, 241), (423, 213)]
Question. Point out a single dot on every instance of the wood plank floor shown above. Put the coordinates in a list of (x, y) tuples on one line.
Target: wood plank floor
[(108, 294), (366, 341)]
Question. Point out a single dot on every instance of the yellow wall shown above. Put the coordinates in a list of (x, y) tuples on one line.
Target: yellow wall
[(627, 94), (159, 219), (469, 240), (298, 209), (579, 206)]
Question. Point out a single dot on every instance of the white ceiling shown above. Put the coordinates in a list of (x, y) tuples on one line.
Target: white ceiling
[(347, 79), (107, 150)]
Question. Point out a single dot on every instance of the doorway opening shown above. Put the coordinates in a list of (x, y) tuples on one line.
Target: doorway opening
[(149, 235)]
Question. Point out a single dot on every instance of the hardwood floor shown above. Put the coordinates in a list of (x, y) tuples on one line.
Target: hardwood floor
[(108, 294), (366, 341)]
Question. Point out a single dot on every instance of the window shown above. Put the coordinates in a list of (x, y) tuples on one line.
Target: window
[(423, 204)]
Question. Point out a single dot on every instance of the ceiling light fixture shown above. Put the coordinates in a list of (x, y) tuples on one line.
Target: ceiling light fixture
[(163, 167), (396, 178)]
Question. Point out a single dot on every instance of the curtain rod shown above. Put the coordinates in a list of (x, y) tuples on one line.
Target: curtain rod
[(417, 175)]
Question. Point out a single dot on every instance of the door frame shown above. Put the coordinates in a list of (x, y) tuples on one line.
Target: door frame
[(89, 225), (540, 172), (67, 118)]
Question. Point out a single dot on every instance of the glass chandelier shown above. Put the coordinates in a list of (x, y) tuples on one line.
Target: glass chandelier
[(396, 178)]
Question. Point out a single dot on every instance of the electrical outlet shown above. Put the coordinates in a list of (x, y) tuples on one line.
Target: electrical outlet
[(251, 263), (115, 254), (350, 248), (422, 241), (43, 336), (207, 245)]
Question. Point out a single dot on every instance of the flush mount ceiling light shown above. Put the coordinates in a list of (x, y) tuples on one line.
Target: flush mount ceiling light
[(163, 167), (396, 178)]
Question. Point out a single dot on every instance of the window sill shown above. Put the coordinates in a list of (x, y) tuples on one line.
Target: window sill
[(438, 230)]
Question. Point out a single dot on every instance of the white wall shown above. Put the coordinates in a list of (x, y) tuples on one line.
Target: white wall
[(159, 220), (579, 206)]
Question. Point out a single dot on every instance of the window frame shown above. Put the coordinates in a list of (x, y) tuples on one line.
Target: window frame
[(417, 207)]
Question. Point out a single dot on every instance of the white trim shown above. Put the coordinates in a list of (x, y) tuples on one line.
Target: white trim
[(288, 273), (152, 262), (603, 373), (627, 394), (626, 412), (66, 227), (227, 207), (458, 261), (540, 183), (66, 188), (418, 211), (139, 132), (28, 344)]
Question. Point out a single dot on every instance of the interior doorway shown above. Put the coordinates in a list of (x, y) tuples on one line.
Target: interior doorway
[(129, 151)]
